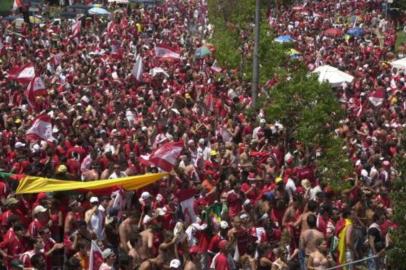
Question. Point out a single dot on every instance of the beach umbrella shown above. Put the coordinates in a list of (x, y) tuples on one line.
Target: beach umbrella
[(284, 39), (355, 32), (202, 52), (333, 32), (98, 11)]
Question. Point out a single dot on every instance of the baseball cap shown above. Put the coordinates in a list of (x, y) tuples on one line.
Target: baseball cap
[(94, 200), (107, 253), (223, 224), (145, 195), (39, 209), (10, 201), (175, 263)]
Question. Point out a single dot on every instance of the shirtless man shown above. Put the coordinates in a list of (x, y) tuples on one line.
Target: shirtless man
[(309, 239), (167, 251), (302, 221), (127, 228), (192, 263), (147, 240)]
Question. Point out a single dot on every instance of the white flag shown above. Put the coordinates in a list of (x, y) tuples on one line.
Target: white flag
[(138, 68)]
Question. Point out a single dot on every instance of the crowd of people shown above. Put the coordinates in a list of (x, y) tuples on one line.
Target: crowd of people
[(256, 203)]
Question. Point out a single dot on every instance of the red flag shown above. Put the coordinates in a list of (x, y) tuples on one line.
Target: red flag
[(35, 88), (76, 27), (95, 257), (41, 129), (162, 52), (138, 68), (111, 27), (377, 97), (22, 74), (165, 157)]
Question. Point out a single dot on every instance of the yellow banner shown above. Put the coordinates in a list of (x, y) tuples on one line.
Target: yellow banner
[(34, 184)]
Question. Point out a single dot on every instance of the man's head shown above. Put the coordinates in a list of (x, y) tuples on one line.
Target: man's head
[(311, 221), (40, 212), (38, 261)]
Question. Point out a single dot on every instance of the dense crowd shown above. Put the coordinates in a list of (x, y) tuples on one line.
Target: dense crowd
[(256, 202)]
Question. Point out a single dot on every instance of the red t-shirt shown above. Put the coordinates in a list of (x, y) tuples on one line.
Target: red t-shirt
[(11, 244), (221, 262), (34, 227)]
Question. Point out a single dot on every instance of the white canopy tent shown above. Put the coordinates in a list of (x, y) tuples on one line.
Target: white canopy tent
[(400, 63), (333, 75)]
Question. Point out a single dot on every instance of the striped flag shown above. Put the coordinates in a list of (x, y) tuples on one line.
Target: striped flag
[(41, 129), (76, 27), (35, 88), (164, 157), (95, 257), (377, 97), (22, 74), (162, 52)]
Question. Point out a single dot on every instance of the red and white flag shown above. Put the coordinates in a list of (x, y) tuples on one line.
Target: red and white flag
[(76, 27), (164, 157), (138, 68), (41, 129), (22, 74), (215, 67), (56, 59), (377, 97), (95, 257), (111, 28), (162, 52), (35, 88)]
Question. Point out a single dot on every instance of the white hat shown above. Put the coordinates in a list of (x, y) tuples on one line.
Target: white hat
[(145, 195), (19, 145), (190, 142), (107, 253), (243, 216), (94, 200), (175, 263), (201, 141), (147, 219), (262, 121), (39, 209), (223, 224)]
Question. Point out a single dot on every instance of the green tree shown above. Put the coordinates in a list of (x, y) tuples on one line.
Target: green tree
[(310, 113), (398, 195)]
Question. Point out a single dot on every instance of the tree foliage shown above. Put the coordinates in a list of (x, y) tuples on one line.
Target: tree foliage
[(398, 195), (310, 113)]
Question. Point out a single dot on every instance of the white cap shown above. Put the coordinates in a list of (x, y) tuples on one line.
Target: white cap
[(147, 219), (191, 142), (262, 121), (107, 253), (243, 216), (223, 224), (145, 195), (19, 145), (201, 141), (39, 209), (175, 263), (94, 200)]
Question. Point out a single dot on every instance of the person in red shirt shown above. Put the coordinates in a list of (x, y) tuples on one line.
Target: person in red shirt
[(12, 244), (40, 221), (220, 261), (38, 245)]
